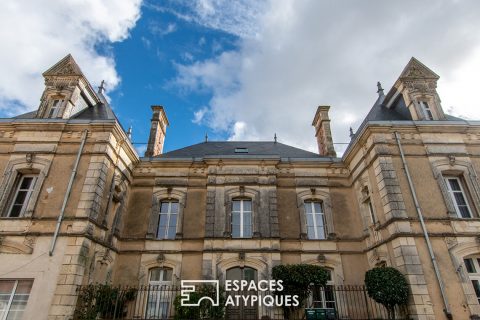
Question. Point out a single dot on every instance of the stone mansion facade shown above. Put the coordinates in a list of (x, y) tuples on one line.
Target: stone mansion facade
[(78, 205)]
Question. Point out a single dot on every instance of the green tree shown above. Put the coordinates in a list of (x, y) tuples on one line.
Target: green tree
[(387, 286), (297, 280)]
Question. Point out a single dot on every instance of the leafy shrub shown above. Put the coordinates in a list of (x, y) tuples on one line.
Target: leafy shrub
[(387, 286), (298, 280), (102, 300)]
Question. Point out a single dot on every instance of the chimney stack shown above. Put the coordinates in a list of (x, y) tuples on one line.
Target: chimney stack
[(158, 130), (321, 122)]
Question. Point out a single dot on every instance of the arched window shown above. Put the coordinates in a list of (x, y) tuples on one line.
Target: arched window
[(159, 293), (315, 219), (167, 222), (241, 218), (472, 266)]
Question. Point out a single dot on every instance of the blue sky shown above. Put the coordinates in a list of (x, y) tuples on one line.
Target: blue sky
[(148, 62), (244, 69)]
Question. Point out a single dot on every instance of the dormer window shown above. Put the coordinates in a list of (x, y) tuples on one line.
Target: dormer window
[(56, 109), (427, 112)]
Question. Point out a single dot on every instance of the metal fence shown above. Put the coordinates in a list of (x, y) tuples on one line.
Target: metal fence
[(163, 302)]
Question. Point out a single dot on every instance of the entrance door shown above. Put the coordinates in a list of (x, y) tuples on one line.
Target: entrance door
[(242, 312)]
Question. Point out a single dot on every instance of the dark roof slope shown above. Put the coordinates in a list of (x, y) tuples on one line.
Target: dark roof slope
[(101, 111), (28, 115), (227, 148)]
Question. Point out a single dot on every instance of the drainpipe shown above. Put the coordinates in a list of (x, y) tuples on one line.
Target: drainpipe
[(67, 193), (424, 229)]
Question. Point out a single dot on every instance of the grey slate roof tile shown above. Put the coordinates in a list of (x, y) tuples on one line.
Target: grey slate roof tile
[(227, 148)]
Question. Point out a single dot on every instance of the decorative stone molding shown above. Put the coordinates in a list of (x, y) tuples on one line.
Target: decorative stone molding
[(322, 196), (24, 165), (260, 265), (15, 247), (147, 265), (169, 193)]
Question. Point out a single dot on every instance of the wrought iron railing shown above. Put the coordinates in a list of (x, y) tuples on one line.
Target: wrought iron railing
[(158, 302)]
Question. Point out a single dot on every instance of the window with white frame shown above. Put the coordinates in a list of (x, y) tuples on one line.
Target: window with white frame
[(315, 220), (241, 218), (167, 222), (158, 303), (324, 296), (14, 296), (427, 112), (56, 108), (459, 196), (21, 194), (472, 266)]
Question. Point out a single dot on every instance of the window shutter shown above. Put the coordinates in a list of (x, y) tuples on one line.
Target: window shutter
[(154, 218)]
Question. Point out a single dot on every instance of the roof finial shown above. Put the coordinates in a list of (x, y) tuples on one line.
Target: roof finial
[(380, 89), (275, 137), (351, 133), (102, 87), (206, 137), (129, 133)]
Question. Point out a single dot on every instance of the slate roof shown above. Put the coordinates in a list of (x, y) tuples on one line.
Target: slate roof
[(227, 148), (28, 115)]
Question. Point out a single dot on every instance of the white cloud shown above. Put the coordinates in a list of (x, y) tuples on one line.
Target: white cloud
[(160, 30), (36, 34), (199, 115), (309, 53), (236, 17)]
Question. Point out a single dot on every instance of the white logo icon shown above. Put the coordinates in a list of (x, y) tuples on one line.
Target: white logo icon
[(191, 285)]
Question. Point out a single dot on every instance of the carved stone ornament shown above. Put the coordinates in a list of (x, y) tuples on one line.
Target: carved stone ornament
[(160, 258), (321, 258), (66, 70), (29, 158), (241, 256), (29, 241), (451, 159)]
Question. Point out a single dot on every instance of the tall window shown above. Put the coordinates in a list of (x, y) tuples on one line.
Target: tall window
[(427, 112), (56, 109), (159, 296), (23, 188), (472, 265), (324, 297), (367, 202), (167, 224), (241, 218), (13, 298), (315, 220), (459, 197)]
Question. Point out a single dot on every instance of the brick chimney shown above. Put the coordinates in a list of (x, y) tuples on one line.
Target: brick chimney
[(157, 132), (321, 122)]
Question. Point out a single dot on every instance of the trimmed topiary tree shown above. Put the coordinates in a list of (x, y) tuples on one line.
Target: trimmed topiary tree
[(387, 286), (297, 280)]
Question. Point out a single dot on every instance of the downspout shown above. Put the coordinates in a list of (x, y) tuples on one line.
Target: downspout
[(424, 229), (67, 193)]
